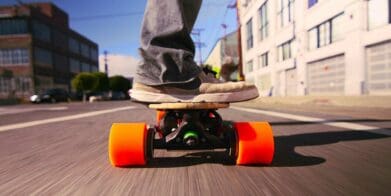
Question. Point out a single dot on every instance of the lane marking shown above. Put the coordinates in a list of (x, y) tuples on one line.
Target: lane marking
[(58, 108), (61, 119), (345, 125), (23, 110)]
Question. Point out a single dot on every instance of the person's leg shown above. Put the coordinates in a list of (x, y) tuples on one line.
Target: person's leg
[(166, 45), (168, 72)]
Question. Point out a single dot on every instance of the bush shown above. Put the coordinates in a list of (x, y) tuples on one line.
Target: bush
[(119, 83), (84, 82), (102, 83)]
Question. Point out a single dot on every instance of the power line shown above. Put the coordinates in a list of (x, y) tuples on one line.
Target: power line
[(198, 43), (218, 29)]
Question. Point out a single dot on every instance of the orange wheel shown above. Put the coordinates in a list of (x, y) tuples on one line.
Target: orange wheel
[(255, 143), (159, 116), (127, 144)]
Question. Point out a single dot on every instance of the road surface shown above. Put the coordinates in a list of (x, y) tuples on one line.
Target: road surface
[(61, 149)]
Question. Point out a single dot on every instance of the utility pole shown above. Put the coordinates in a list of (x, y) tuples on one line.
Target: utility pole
[(198, 43), (106, 65), (225, 28), (240, 64), (224, 39)]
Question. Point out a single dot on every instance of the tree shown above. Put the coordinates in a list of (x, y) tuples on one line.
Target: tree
[(84, 82), (119, 83), (102, 82), (7, 74)]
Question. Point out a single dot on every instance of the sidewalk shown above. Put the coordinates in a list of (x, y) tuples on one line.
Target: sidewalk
[(378, 107), (344, 101)]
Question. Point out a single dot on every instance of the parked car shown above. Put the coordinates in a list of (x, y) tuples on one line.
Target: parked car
[(51, 95), (118, 95)]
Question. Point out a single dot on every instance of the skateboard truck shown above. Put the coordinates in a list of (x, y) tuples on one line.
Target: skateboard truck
[(192, 129), (189, 126)]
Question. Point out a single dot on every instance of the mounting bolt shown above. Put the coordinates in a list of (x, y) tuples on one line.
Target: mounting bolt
[(190, 138)]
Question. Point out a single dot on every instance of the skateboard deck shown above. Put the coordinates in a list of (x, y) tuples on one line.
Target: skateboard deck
[(187, 126), (188, 106)]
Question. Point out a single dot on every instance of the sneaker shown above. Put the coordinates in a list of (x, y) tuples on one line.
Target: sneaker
[(209, 89)]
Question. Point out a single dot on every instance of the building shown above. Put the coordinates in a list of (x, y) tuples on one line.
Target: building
[(317, 47), (38, 50), (225, 51)]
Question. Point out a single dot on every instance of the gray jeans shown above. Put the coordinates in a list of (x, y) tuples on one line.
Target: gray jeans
[(166, 45)]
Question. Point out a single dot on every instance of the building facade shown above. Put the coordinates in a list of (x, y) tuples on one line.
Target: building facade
[(317, 47), (38, 50), (225, 51)]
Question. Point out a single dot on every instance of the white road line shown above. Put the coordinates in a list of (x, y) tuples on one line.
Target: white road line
[(60, 119), (23, 110), (345, 125), (58, 108)]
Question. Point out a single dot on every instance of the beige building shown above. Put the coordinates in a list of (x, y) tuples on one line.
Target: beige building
[(317, 47), (225, 51)]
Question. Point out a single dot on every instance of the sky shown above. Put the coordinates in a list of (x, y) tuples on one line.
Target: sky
[(115, 25)]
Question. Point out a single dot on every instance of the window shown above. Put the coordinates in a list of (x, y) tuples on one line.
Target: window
[(326, 33), (43, 57), (379, 13), (264, 60), (41, 31), (60, 39), (285, 12), (285, 50), (73, 45), (313, 39), (249, 66), (85, 50), (13, 26), (337, 29), (263, 30), (14, 56), (74, 65), (94, 54), (249, 28), (85, 67), (312, 2), (5, 85), (43, 82), (60, 63), (94, 68)]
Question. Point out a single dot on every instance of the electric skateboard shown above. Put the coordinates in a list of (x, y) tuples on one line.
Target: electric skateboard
[(188, 126)]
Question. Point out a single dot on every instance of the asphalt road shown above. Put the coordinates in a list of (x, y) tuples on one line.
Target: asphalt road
[(61, 149)]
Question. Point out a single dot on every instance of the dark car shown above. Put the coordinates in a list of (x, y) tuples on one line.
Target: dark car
[(52, 96), (118, 95)]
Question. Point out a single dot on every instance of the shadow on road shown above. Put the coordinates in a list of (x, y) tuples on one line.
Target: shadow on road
[(290, 123), (194, 158), (285, 154)]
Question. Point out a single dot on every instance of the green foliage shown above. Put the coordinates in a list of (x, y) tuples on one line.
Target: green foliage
[(7, 74), (99, 82), (209, 69), (102, 82), (84, 82), (119, 83)]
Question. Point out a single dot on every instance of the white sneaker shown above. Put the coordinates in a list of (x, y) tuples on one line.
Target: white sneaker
[(209, 90)]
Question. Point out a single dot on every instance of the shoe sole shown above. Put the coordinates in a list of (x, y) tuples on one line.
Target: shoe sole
[(148, 97)]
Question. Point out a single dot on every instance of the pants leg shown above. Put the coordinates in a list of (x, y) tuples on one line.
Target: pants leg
[(166, 45)]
